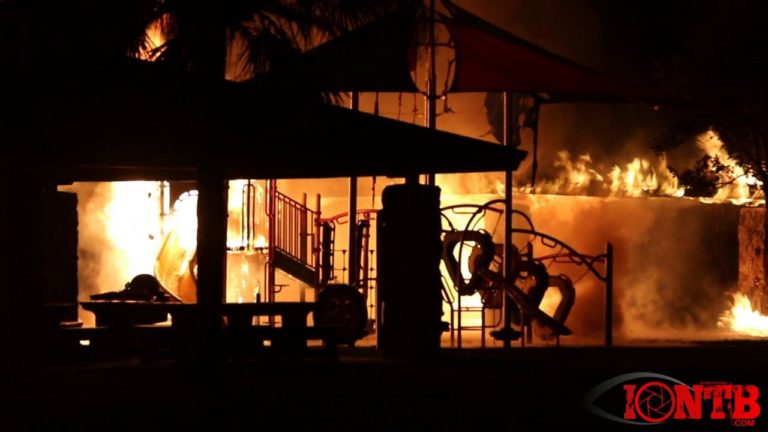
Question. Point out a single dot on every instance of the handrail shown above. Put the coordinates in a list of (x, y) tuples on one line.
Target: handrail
[(294, 229), (338, 218)]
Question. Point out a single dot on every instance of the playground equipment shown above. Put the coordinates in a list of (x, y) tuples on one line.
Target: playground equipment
[(473, 263)]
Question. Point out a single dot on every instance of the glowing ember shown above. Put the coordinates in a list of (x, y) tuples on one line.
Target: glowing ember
[(743, 318)]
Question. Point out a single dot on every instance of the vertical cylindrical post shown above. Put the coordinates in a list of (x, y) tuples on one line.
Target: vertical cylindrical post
[(352, 264), (608, 294), (211, 254), (458, 317), (304, 229), (211, 238), (409, 297), (165, 206), (508, 125), (431, 106), (272, 215), (352, 245), (316, 239)]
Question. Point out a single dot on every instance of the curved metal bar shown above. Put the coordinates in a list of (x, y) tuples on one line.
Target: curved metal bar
[(450, 224), (587, 260), (453, 207)]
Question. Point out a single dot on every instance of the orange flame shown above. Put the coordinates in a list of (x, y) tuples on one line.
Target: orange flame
[(737, 189), (175, 261), (641, 178), (638, 178), (742, 318), (644, 177), (154, 40), (133, 226)]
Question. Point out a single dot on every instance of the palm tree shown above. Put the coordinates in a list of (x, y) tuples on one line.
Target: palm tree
[(252, 36), (200, 36)]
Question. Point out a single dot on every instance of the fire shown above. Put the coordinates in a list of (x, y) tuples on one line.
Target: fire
[(575, 176), (154, 40), (743, 318), (133, 224), (246, 222), (739, 186), (646, 177), (174, 263), (640, 177)]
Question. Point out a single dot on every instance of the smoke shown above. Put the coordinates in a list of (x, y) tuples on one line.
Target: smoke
[(118, 235), (675, 260)]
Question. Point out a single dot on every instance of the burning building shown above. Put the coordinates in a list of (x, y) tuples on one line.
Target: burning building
[(210, 239)]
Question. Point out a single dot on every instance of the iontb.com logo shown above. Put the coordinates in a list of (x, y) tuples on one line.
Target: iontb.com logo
[(646, 398)]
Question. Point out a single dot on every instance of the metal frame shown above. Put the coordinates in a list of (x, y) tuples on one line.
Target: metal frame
[(564, 254)]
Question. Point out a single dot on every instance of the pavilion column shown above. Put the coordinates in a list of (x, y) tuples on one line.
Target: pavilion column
[(211, 249), (22, 296)]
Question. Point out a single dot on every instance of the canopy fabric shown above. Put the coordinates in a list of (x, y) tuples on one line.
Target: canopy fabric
[(375, 57), (380, 56), (136, 123), (491, 59)]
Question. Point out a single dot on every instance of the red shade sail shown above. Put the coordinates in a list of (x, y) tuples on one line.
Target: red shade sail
[(379, 57), (491, 59)]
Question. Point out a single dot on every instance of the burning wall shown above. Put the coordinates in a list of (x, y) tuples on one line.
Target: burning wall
[(676, 260)]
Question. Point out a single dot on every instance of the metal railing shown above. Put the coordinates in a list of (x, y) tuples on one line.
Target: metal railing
[(295, 229)]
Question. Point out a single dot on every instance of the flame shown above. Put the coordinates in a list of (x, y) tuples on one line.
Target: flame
[(640, 177), (575, 176), (740, 186), (174, 265), (133, 222), (743, 318), (236, 200), (646, 177), (154, 40)]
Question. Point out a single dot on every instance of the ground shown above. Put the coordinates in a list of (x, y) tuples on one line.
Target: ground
[(462, 389)]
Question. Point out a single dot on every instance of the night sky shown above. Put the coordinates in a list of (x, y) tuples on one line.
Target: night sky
[(685, 49), (680, 45)]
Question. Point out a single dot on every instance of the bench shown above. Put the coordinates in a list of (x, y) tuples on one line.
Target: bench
[(238, 334)]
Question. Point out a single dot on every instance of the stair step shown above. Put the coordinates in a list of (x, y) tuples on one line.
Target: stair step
[(294, 267)]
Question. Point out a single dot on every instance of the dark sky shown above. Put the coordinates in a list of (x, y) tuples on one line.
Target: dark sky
[(680, 43), (682, 47)]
